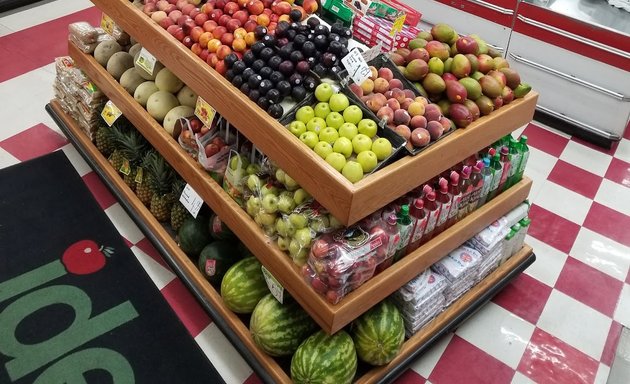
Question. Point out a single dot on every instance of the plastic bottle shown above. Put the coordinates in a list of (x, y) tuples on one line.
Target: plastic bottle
[(524, 149), (419, 224), (507, 246), (517, 233), (496, 165), (525, 222), (393, 238), (456, 196), (432, 210), (404, 223), (476, 182), (466, 188), (504, 158), (443, 199), (515, 160), (488, 174)]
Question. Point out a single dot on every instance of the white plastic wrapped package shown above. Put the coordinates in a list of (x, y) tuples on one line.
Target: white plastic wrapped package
[(458, 264), (422, 286)]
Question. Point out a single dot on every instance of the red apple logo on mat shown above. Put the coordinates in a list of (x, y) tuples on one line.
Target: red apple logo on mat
[(85, 257)]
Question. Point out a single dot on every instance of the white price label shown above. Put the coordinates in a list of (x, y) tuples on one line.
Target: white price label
[(146, 61), (277, 290), (356, 66), (191, 200), (371, 53), (110, 113)]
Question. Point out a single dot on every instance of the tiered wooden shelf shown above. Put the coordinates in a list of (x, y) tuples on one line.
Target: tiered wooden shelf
[(269, 369), (348, 202), (330, 317)]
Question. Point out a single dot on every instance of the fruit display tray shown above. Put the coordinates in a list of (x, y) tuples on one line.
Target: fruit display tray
[(236, 331), (330, 317), (348, 202)]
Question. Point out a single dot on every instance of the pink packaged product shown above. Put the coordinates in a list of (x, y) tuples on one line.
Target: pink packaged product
[(341, 261), (422, 286)]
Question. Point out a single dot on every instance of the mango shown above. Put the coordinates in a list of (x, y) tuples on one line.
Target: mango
[(437, 49), (447, 123), (473, 108), (417, 43), (512, 78), (498, 76), (447, 76), (493, 52), (500, 62), (473, 88), (421, 89), (404, 52), (490, 86), (444, 104), (474, 62), (455, 92), (418, 53), (486, 63), (467, 45), (397, 58), (442, 32), (426, 35), (433, 83), (522, 90), (476, 75), (507, 95), (447, 64), (483, 47), (485, 104), (460, 115), (416, 70), (436, 65), (461, 66)]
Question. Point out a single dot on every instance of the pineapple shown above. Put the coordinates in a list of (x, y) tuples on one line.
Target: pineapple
[(161, 181), (143, 189), (104, 141), (132, 146), (179, 213)]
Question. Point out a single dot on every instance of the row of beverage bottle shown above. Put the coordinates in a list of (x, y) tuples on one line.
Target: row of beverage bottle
[(430, 209)]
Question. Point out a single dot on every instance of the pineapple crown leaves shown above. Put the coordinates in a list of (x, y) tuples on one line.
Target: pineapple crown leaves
[(131, 144), (162, 175), (178, 185)]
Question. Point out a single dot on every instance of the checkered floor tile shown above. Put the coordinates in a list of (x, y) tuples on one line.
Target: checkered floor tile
[(559, 322)]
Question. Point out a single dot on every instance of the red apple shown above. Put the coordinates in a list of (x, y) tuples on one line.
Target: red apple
[(267, 4), (161, 5), (181, 3), (188, 41), (255, 7), (204, 55), (231, 8), (186, 9), (182, 20), (216, 14), (219, 31), (241, 16), (212, 59), (233, 25), (196, 49), (166, 22), (207, 8), (209, 25), (281, 8), (223, 20), (250, 25), (242, 3), (223, 51), (219, 4), (195, 12), (220, 67), (148, 9), (188, 26), (227, 39), (310, 6), (195, 33), (174, 15), (170, 8), (211, 150), (201, 18)]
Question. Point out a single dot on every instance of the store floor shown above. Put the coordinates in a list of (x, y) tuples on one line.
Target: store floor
[(559, 322)]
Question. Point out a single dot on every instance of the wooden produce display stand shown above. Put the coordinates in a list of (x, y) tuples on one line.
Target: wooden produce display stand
[(348, 202)]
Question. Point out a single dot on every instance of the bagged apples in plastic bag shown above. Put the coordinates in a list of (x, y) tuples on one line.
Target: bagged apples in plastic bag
[(214, 148)]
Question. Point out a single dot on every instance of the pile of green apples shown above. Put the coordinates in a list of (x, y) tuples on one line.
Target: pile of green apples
[(339, 133)]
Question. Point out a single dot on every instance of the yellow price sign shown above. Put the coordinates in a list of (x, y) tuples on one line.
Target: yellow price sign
[(107, 24), (398, 24), (204, 112), (110, 113)]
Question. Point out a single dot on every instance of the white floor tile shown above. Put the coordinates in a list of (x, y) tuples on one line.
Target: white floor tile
[(28, 17), (425, 364), (223, 356), (4, 30), (623, 150), (123, 223), (615, 196), (76, 159), (622, 313), (6, 159), (601, 253), (517, 132), (160, 275), (563, 202), (575, 323), (602, 374), (499, 333), (519, 378), (538, 168), (586, 158), (549, 262)]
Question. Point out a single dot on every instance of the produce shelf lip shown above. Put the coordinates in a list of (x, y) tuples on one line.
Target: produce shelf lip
[(520, 262), (346, 201)]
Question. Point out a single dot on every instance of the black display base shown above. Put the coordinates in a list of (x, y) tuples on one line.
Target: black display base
[(9, 5), (224, 326), (571, 129)]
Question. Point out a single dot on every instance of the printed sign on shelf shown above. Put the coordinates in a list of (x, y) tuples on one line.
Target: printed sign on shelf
[(191, 200), (276, 289), (110, 113), (107, 24), (356, 66), (146, 61), (204, 112)]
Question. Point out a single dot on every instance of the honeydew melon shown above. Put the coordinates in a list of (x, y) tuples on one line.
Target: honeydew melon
[(160, 103), (143, 92)]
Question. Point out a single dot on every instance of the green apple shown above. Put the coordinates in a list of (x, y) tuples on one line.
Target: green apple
[(297, 128), (266, 218), (298, 220), (368, 161), (253, 206), (368, 127), (353, 114), (309, 138), (334, 223), (234, 162), (323, 149), (280, 174), (328, 134), (348, 130), (304, 236), (300, 196), (323, 92), (337, 160), (343, 145), (382, 148), (283, 243), (319, 224), (269, 189), (285, 203), (361, 143), (252, 169), (338, 102), (316, 124), (322, 109), (305, 113), (334, 119), (290, 183), (253, 183), (298, 253), (352, 171), (270, 203), (269, 230), (284, 227)]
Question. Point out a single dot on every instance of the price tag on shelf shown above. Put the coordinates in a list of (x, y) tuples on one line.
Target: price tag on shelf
[(191, 200), (204, 112), (110, 113), (146, 61), (107, 24), (276, 289), (398, 24), (356, 66), (371, 53)]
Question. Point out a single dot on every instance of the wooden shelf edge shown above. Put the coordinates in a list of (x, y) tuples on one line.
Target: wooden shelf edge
[(384, 284), (210, 298)]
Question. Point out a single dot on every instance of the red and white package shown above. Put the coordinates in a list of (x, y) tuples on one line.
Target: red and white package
[(458, 264)]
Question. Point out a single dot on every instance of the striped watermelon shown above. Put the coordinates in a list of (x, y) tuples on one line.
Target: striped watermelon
[(325, 359), (243, 285), (379, 333), (280, 328)]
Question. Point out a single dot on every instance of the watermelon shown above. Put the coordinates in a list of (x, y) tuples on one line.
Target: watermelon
[(216, 258), (243, 285), (218, 229), (193, 235), (379, 333), (325, 359), (279, 328)]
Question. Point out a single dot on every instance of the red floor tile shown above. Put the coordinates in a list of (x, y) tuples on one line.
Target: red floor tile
[(148, 248), (462, 362), (628, 277), (608, 222), (626, 135), (194, 318), (608, 355), (589, 286), (129, 243), (36, 141), (253, 379), (525, 297), (101, 193), (575, 179), (34, 47), (548, 360), (545, 140), (410, 377), (552, 229), (619, 172)]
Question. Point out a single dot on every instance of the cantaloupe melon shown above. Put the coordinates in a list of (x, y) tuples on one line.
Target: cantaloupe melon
[(167, 81), (146, 75), (130, 80), (105, 50), (119, 63), (135, 49), (187, 96), (143, 92), (160, 103), (174, 114)]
